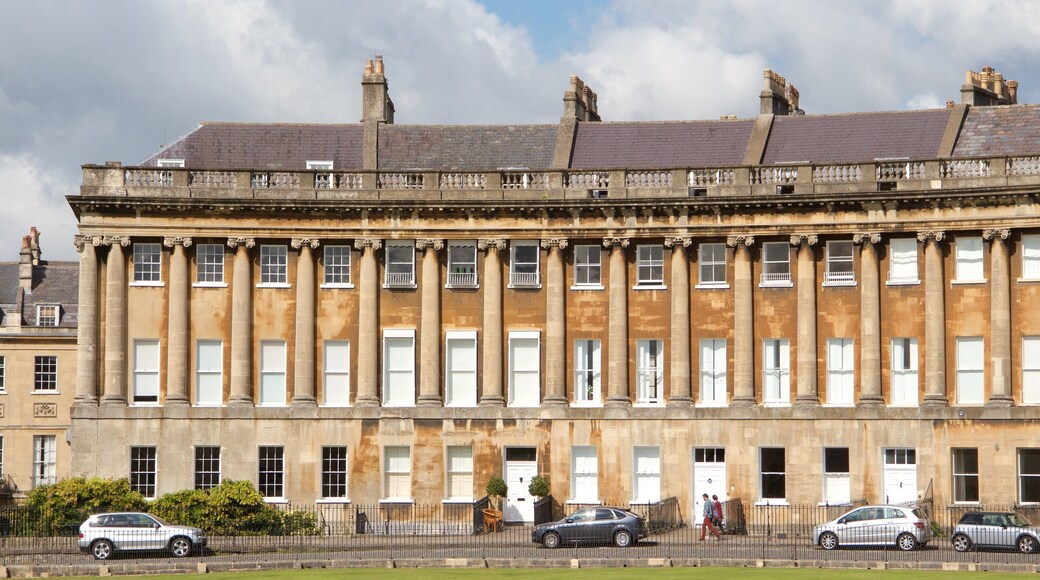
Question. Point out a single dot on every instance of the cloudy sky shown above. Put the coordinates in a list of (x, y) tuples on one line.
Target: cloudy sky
[(113, 80)]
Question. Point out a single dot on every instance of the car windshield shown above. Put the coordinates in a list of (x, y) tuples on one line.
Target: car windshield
[(1019, 520)]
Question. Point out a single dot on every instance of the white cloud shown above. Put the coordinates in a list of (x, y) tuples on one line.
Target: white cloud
[(33, 198)]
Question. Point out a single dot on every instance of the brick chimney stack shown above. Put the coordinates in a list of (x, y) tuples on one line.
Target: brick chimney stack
[(778, 97), (25, 264), (987, 88), (34, 245), (376, 103), (579, 102)]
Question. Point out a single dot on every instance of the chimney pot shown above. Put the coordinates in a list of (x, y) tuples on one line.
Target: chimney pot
[(949, 103), (368, 67), (379, 64)]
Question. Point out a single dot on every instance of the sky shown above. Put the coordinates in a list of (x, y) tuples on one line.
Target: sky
[(114, 80)]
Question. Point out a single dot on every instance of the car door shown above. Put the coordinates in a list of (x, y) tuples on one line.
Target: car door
[(148, 532), (602, 530), (850, 529), (1003, 532)]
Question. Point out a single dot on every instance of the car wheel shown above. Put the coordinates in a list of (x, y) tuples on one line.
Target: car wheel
[(828, 541), (906, 542), (961, 543), (180, 547), (1027, 544), (622, 539), (101, 549), (551, 540)]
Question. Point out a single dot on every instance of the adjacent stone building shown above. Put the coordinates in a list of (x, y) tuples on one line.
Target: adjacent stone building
[(787, 309)]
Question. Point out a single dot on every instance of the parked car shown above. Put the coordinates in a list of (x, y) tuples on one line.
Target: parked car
[(999, 530), (875, 525), (105, 534), (593, 525)]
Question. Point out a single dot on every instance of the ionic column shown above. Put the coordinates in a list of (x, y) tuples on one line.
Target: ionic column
[(303, 368), (680, 394), (491, 343), (1000, 318), (368, 324), (617, 322), (743, 321), (115, 322), (242, 323), (808, 392), (934, 321), (430, 331), (870, 320), (87, 326), (177, 324), (555, 325)]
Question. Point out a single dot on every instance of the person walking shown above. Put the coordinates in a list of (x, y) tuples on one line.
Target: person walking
[(717, 505), (709, 512)]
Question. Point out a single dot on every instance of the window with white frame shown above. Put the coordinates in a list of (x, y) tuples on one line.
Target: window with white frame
[(334, 472), (584, 474), (776, 264), (587, 372), (460, 472), (399, 367), (44, 460), (773, 473), (207, 466), (462, 264), (904, 372), (3, 374), (836, 483), (1030, 370), (270, 477), (1, 454), (966, 475), (319, 165), (397, 473), (970, 367), (1029, 476), (171, 163), (48, 314), (460, 362), (712, 267), (523, 264), (588, 266), (840, 366), (650, 265), (400, 264), (274, 265), (147, 260), (272, 372), (902, 261), (209, 264), (1031, 256), (646, 474), (839, 263), (337, 266), (209, 372), (45, 373), (336, 373), (713, 372), (969, 258), (524, 369), (143, 470), (146, 371), (650, 372), (776, 368)]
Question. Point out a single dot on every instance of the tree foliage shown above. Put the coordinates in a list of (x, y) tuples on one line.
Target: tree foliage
[(59, 508)]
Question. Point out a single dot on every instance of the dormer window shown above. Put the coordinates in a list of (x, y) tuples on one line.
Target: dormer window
[(319, 165), (171, 163), (48, 314)]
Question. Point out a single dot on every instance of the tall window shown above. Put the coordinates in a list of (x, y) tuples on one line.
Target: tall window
[(1029, 475), (337, 266), (3, 374), (272, 372), (587, 373), (336, 373), (712, 268), (207, 466), (773, 472), (209, 372), (209, 264), (965, 475), (902, 263), (776, 264), (647, 474), (970, 367), (776, 364), (146, 371), (840, 357), (400, 264), (588, 266), (45, 375), (1030, 370), (334, 472), (460, 472), (650, 371), (969, 257), (460, 375), (271, 471), (1031, 256), (142, 470), (584, 474), (398, 367), (44, 463), (48, 315), (462, 264), (839, 263), (274, 265), (1, 455), (397, 473), (904, 372), (836, 483), (147, 263), (523, 264), (524, 369), (713, 372), (650, 265)]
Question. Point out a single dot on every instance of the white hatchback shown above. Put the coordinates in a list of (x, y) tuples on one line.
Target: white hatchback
[(876, 525), (104, 534)]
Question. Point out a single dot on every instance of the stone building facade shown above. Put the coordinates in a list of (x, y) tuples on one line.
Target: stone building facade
[(786, 309)]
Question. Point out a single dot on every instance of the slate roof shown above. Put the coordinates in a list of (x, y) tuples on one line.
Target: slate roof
[(53, 283), (660, 145), (1003, 130), (465, 147)]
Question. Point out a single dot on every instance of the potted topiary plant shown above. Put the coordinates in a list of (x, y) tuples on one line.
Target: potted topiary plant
[(496, 489), (539, 486)]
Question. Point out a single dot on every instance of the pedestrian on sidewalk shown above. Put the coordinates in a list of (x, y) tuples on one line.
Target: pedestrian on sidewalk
[(709, 513), (717, 505)]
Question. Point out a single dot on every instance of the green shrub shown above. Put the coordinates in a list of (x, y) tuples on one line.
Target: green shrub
[(188, 507), (59, 508), (233, 508), (539, 486)]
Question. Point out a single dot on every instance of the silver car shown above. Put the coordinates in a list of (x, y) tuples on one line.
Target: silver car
[(999, 530), (105, 534), (875, 525)]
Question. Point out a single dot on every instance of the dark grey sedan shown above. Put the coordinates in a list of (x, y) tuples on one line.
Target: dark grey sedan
[(996, 530), (594, 525)]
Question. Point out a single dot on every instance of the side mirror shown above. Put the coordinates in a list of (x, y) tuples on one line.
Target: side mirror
[(842, 521), (155, 526), (569, 520)]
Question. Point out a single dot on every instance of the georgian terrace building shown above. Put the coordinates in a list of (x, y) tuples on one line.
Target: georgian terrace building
[(787, 309)]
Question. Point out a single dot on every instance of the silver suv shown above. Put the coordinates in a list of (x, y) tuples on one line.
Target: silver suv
[(104, 534)]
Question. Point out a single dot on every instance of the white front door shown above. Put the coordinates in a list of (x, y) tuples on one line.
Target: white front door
[(709, 476), (521, 466), (900, 476)]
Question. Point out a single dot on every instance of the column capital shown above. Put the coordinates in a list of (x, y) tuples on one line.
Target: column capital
[(236, 242), (809, 239), (170, 242), (80, 242), (488, 243), (560, 243), (871, 238), (621, 242), (114, 240), (994, 234), (374, 243), (429, 244), (734, 241), (298, 243), (932, 235), (678, 241)]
